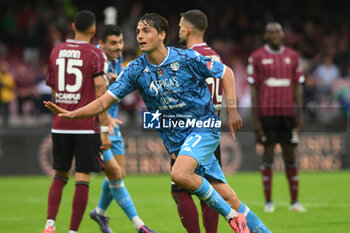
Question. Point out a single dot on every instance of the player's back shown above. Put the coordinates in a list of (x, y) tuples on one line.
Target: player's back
[(214, 84), (207, 51), (71, 71)]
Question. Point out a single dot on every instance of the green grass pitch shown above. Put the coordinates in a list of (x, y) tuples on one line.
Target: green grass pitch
[(326, 195)]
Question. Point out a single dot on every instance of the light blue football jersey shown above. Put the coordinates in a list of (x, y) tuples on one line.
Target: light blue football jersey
[(114, 66), (176, 87)]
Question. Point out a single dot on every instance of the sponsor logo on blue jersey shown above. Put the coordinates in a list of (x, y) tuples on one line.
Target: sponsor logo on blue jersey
[(175, 86)]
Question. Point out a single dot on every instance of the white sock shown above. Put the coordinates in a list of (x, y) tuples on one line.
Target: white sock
[(231, 214), (138, 223), (50, 222), (100, 211), (71, 231)]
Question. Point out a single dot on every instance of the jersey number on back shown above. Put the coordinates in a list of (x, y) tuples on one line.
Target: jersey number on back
[(214, 83), (72, 68)]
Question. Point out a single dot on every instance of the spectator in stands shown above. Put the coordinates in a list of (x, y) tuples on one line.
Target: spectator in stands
[(129, 26), (25, 90), (325, 75), (341, 91), (43, 91), (31, 41), (9, 26), (7, 90)]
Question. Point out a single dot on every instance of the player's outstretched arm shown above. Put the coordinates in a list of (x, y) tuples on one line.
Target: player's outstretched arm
[(92, 109), (234, 120)]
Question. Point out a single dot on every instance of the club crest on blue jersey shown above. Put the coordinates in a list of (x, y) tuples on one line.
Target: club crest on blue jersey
[(175, 66)]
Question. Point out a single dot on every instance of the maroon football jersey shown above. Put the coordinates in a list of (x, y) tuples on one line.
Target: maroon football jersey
[(214, 84), (275, 72), (71, 71)]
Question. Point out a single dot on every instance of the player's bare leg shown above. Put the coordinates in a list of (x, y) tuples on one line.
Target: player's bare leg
[(121, 162), (228, 194)]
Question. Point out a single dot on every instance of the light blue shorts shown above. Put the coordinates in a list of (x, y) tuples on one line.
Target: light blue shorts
[(117, 147), (201, 145)]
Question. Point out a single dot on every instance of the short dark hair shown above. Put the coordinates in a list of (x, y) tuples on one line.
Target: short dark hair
[(83, 20), (196, 18), (109, 30), (157, 21), (273, 24)]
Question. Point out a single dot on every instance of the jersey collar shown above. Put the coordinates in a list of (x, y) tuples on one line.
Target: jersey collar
[(164, 60), (76, 41), (269, 50), (200, 44)]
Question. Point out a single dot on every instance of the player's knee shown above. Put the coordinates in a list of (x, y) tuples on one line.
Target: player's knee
[(114, 174), (82, 177), (62, 173), (266, 164), (112, 170), (289, 158), (290, 165), (175, 176), (268, 152), (178, 177), (123, 172)]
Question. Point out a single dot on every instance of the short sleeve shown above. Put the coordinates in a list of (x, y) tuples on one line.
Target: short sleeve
[(298, 76), (98, 62), (204, 66), (124, 84), (251, 70)]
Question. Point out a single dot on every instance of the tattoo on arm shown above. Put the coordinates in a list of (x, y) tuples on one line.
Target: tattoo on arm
[(232, 102), (103, 108)]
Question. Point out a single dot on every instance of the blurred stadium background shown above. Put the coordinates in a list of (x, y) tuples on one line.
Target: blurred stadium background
[(318, 30)]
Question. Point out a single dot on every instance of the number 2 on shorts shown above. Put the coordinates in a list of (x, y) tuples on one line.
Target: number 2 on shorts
[(190, 138)]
